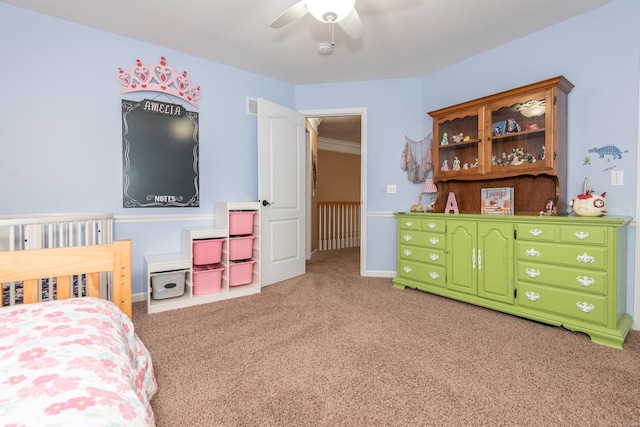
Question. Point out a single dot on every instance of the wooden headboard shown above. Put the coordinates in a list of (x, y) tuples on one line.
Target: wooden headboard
[(28, 266)]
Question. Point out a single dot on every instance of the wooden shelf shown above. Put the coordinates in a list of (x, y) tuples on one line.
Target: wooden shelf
[(534, 182), (515, 135), (456, 145)]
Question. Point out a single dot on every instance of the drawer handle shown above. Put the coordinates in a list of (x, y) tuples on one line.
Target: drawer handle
[(585, 307), (532, 252), (586, 258), (407, 269), (409, 224), (532, 273), (431, 225), (535, 232), (581, 235), (434, 257), (532, 296), (407, 238), (585, 281), (407, 252), (434, 275), (434, 240)]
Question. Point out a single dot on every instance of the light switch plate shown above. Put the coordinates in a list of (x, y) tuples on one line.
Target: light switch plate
[(616, 178)]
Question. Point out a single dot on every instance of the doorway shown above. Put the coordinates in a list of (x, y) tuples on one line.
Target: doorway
[(338, 131)]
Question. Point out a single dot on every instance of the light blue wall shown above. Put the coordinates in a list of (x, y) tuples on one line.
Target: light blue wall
[(599, 52), (59, 86), (394, 109), (61, 130)]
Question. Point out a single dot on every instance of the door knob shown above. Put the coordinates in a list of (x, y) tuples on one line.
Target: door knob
[(265, 203)]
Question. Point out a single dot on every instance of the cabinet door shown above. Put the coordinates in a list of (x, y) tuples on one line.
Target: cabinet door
[(495, 261), (462, 256), (520, 139), (457, 144)]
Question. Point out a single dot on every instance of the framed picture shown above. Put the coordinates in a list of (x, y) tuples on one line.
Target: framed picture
[(498, 128)]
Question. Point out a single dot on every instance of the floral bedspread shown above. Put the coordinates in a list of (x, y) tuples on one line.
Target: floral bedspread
[(75, 362)]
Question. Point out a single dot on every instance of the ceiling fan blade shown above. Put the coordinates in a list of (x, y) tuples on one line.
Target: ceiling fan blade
[(296, 11), (352, 25)]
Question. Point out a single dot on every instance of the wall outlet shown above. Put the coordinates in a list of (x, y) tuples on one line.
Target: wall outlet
[(391, 189), (616, 178)]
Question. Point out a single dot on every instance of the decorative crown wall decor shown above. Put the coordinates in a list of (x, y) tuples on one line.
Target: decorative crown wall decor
[(159, 77)]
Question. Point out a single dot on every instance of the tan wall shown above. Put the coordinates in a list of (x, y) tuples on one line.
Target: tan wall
[(338, 177)]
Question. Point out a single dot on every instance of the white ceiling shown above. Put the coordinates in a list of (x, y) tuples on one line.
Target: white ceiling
[(401, 38)]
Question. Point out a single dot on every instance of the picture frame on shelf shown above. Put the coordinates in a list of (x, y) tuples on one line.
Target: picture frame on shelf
[(498, 128)]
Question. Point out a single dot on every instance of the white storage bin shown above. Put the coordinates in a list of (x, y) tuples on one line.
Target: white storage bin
[(168, 284)]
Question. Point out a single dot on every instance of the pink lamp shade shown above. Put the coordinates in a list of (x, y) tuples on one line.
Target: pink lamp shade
[(429, 187)]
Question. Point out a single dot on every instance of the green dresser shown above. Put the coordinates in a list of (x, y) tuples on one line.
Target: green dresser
[(563, 270)]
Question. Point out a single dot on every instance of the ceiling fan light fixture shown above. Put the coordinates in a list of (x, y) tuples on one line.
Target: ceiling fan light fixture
[(330, 10), (533, 108)]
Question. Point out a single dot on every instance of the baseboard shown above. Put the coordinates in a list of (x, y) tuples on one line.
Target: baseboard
[(381, 273), (137, 297)]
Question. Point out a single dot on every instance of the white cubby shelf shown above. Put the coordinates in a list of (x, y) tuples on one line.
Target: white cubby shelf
[(228, 287)]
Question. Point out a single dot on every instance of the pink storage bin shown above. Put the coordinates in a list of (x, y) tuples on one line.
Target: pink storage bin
[(207, 251), (207, 279), (241, 273), (241, 222), (241, 247)]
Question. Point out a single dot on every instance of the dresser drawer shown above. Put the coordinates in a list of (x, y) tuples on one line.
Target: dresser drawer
[(537, 232), (423, 239), (422, 273), (587, 307), (433, 225), (583, 235), (591, 257), (422, 224), (430, 255), (566, 277)]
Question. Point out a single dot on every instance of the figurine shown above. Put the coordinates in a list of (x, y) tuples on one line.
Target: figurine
[(549, 206), (456, 164), (458, 138), (445, 165), (513, 126), (445, 139), (466, 138), (475, 164), (418, 206), (544, 153), (504, 160), (465, 166), (589, 204)]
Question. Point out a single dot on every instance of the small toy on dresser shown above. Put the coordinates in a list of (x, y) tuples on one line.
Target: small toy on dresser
[(588, 203), (549, 208), (418, 206)]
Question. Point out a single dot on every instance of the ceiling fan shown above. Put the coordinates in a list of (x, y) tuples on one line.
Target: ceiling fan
[(341, 12)]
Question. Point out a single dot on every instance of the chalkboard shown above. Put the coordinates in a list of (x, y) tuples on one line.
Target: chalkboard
[(159, 155)]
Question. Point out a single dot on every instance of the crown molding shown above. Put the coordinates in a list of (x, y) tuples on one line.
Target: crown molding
[(328, 144)]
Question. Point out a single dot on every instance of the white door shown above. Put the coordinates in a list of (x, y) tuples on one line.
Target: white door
[(281, 185)]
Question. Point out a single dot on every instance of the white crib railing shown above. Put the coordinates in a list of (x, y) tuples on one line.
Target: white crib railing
[(339, 225), (19, 232), (54, 231)]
